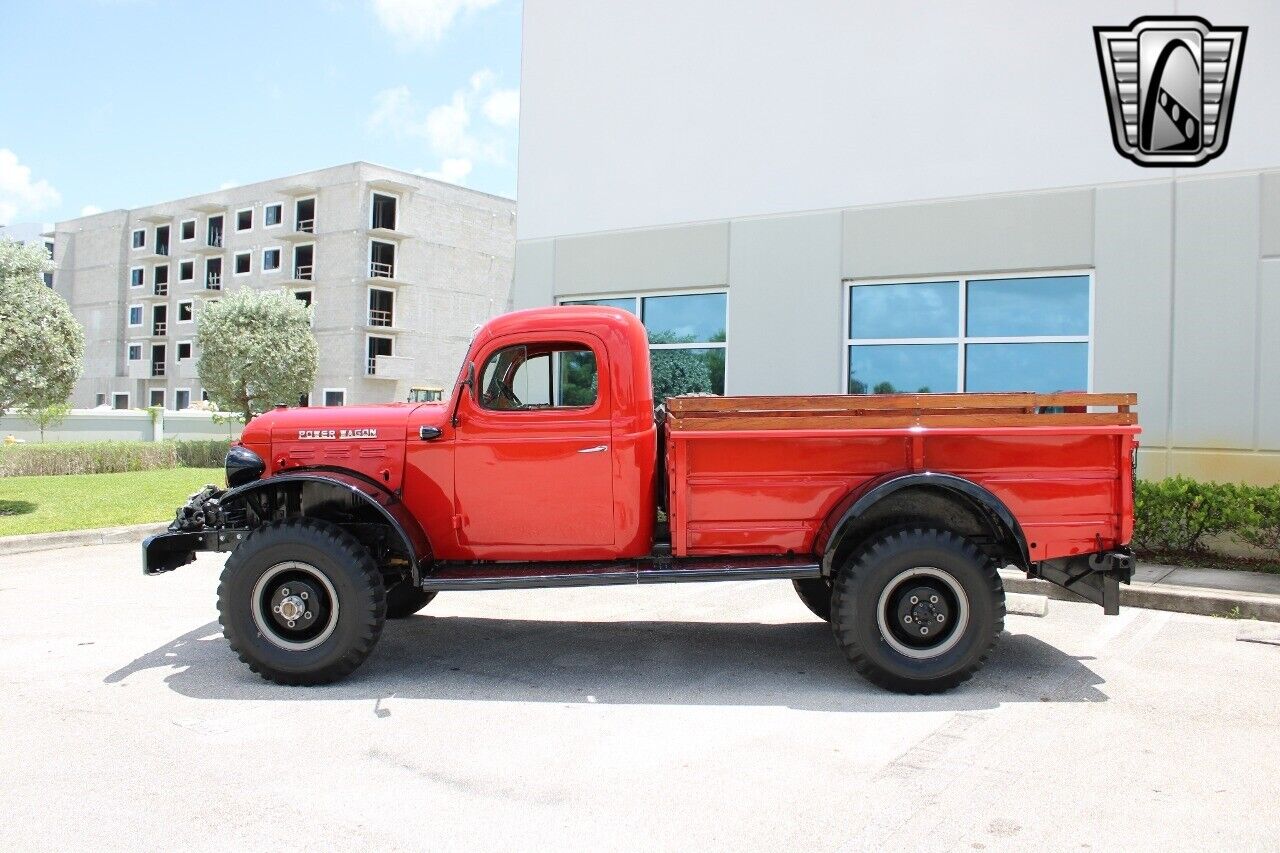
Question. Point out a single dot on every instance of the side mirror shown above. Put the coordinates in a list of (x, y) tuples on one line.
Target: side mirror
[(470, 381)]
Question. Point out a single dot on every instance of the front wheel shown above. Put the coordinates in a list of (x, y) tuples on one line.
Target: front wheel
[(301, 602), (918, 610)]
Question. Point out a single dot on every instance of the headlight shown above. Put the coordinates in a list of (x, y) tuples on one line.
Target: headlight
[(243, 466)]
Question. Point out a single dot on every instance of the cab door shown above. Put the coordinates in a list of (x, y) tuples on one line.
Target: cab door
[(533, 473)]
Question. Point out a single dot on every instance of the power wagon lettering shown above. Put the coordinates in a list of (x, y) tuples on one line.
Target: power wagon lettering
[(320, 434), (546, 467)]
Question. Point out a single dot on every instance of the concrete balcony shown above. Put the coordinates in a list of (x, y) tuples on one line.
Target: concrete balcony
[(396, 367)]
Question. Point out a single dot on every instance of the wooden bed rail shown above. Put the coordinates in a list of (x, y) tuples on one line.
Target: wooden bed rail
[(1069, 408)]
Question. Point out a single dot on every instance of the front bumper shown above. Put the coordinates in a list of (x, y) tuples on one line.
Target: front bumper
[(199, 526), (165, 552)]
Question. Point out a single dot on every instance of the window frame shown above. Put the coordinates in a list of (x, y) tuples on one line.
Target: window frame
[(190, 264), (138, 273), (142, 315), (279, 250), (151, 395), (116, 395), (249, 210), (586, 340), (399, 202), (280, 224), (176, 392), (177, 311), (639, 295), (134, 245), (962, 339), (128, 351), (324, 396), (235, 261), (183, 223), (177, 350)]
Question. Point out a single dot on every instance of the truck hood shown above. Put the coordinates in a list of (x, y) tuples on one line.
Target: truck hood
[(383, 422)]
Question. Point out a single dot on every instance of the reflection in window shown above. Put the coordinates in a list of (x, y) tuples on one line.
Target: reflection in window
[(902, 368), (990, 334), (686, 336), (930, 310), (1021, 307), (1027, 367)]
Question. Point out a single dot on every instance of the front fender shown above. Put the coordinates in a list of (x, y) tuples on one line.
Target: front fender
[(370, 493)]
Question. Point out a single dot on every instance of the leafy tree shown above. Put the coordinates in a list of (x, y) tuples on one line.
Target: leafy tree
[(256, 350), (47, 417), (41, 344)]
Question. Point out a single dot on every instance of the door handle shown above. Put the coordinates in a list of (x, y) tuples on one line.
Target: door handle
[(599, 448)]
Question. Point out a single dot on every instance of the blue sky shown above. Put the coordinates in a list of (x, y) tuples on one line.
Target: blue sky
[(122, 103)]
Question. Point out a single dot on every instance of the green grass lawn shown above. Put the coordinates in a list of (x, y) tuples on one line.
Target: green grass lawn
[(83, 501)]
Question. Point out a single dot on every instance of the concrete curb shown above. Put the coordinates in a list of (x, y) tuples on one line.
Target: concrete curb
[(74, 538), (1178, 599)]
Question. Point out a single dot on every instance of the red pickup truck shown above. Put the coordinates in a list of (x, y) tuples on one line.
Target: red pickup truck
[(548, 467)]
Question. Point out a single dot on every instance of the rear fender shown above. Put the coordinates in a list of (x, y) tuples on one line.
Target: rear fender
[(841, 522)]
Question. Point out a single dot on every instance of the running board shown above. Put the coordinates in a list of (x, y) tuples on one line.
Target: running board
[(456, 576)]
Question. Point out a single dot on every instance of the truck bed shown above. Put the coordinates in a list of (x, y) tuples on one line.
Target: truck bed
[(760, 475)]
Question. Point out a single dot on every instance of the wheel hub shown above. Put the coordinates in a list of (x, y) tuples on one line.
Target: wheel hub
[(295, 606), (923, 612)]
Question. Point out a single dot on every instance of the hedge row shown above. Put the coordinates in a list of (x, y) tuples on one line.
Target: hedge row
[(1176, 515), (109, 457)]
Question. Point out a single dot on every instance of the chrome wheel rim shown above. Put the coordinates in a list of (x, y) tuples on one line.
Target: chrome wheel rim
[(922, 612), (294, 606)]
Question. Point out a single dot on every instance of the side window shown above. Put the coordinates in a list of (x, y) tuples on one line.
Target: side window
[(539, 376)]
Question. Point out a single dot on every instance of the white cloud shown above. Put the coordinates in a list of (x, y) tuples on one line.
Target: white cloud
[(19, 195), (473, 126), (90, 210), (453, 170), (503, 107), (423, 21)]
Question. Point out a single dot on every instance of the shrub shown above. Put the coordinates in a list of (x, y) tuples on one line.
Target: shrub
[(109, 457), (1264, 533), (202, 453), (1178, 513)]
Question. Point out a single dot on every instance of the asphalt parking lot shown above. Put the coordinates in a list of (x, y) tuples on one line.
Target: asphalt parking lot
[(705, 716)]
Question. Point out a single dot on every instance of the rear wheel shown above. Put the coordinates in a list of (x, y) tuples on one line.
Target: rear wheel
[(918, 610), (404, 599), (301, 602), (816, 595)]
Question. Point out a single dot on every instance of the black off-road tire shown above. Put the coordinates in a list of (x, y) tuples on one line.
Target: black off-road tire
[(816, 595), (877, 574), (350, 572), (404, 599)]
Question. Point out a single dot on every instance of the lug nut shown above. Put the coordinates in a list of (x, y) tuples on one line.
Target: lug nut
[(276, 608), (307, 615), (941, 618), (924, 630), (915, 600), (284, 590), (292, 623), (906, 619), (304, 596), (933, 599)]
